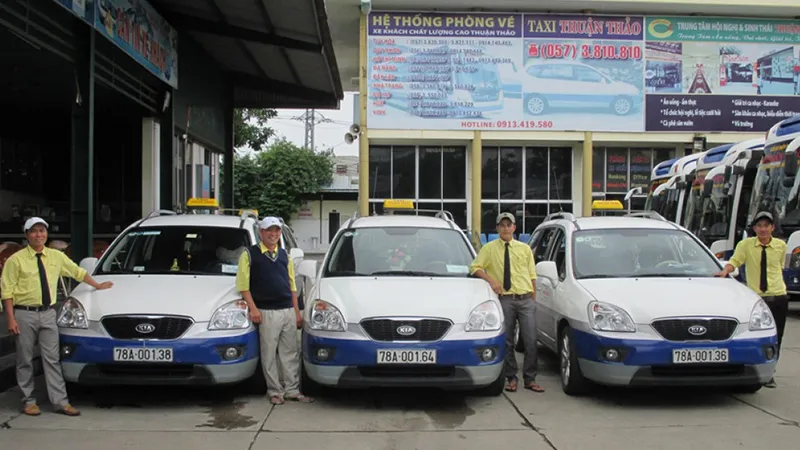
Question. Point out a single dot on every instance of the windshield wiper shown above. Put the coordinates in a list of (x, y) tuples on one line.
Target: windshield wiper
[(412, 273), (178, 272), (673, 275), (597, 275), (345, 273)]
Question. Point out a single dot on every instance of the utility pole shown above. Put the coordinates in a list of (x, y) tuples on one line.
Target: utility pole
[(310, 119)]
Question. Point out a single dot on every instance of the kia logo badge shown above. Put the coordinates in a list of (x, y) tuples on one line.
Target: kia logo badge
[(406, 330), (697, 330), (145, 328)]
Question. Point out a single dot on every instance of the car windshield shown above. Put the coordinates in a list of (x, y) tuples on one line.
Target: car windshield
[(411, 251), (176, 250), (634, 253)]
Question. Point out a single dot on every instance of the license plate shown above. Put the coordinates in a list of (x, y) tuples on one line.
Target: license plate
[(143, 354), (699, 355), (391, 356)]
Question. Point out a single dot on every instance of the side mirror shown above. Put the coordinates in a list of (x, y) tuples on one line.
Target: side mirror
[(88, 264), (548, 270), (708, 185), (735, 272), (718, 248), (790, 164), (297, 254), (308, 269), (726, 177)]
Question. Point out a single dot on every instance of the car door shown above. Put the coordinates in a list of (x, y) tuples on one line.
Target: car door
[(553, 307), (541, 252)]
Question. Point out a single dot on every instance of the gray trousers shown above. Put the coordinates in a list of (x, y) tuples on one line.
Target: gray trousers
[(524, 311), (39, 326), (278, 339)]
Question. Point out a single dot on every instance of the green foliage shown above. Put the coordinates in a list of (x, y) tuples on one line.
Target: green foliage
[(274, 181), (250, 128)]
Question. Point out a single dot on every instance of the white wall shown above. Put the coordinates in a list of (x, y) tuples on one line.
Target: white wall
[(151, 148)]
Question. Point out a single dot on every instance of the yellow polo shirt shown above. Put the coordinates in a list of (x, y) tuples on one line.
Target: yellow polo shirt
[(20, 279), (523, 268), (243, 272), (748, 252)]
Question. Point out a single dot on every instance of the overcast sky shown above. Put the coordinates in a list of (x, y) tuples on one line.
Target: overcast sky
[(334, 123)]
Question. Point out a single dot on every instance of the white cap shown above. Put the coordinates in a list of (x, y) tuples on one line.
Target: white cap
[(33, 221), (267, 222)]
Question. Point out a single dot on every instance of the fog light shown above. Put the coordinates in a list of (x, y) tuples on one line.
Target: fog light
[(230, 352), (323, 354), (67, 350), (488, 354), (612, 355), (795, 280), (769, 352)]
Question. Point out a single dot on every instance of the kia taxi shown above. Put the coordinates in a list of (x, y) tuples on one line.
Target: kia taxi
[(174, 316), (394, 305)]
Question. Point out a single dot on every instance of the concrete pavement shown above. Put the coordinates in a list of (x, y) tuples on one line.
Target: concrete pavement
[(398, 420)]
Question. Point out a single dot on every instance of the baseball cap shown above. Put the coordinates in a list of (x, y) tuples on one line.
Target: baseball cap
[(33, 221), (267, 222), (506, 215), (763, 215)]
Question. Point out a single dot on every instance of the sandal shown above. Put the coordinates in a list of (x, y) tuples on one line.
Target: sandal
[(300, 398), (534, 387), (275, 400), (512, 385)]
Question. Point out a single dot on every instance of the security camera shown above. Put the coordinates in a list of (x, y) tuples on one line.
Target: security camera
[(366, 6)]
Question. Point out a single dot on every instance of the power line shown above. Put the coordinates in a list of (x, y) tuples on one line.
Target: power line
[(310, 119)]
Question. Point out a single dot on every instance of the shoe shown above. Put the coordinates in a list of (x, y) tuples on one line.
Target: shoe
[(771, 384), (31, 409), (68, 410)]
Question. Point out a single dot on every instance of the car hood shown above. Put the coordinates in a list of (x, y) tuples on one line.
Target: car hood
[(194, 296), (646, 299), (361, 297)]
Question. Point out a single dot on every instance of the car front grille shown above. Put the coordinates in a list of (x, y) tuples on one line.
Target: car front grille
[(679, 329), (390, 329), (163, 327)]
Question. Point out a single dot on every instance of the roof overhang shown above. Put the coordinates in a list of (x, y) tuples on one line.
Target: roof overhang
[(344, 15), (277, 54)]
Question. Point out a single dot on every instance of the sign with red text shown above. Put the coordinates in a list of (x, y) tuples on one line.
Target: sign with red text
[(142, 33)]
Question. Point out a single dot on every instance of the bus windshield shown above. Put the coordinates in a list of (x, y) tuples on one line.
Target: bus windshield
[(769, 193), (715, 220), (694, 206)]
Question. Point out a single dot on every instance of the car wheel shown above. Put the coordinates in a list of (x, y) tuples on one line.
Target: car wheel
[(307, 385), (748, 389), (572, 380), (622, 106), (257, 383), (536, 105), (494, 389)]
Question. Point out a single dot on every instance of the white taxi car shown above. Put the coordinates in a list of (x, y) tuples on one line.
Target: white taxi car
[(633, 301), (174, 316), (394, 305)]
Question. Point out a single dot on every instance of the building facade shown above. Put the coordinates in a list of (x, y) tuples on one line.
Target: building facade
[(534, 112)]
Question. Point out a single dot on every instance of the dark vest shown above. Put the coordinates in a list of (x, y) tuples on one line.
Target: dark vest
[(269, 280)]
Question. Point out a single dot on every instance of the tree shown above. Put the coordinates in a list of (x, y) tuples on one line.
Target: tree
[(275, 180), (250, 128)]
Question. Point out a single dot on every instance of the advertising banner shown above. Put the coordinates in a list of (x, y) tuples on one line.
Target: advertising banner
[(495, 71), (142, 33), (721, 74), (81, 8)]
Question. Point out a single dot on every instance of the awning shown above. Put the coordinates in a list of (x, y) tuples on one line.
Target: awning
[(277, 53)]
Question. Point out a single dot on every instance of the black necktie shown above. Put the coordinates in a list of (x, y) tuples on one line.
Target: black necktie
[(763, 285), (43, 281), (507, 270)]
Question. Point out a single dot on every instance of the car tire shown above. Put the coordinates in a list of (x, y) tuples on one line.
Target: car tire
[(572, 379), (307, 385), (257, 383), (748, 389), (622, 106), (536, 105)]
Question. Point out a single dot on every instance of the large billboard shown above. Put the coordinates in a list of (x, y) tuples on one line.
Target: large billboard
[(496, 71)]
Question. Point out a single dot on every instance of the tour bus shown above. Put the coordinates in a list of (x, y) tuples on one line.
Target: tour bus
[(659, 176), (775, 190), (726, 192), (694, 201), (669, 199)]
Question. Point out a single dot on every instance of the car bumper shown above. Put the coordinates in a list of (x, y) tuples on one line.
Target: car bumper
[(791, 278), (649, 362), (90, 361), (353, 363)]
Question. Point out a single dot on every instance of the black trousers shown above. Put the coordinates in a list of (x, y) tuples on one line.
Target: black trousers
[(779, 305)]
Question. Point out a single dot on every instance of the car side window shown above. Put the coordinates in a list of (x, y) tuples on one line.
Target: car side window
[(534, 240), (542, 248), (560, 255)]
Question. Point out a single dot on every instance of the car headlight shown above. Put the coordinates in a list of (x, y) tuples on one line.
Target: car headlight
[(485, 317), (761, 317), (794, 259), (607, 317), (234, 315), (326, 317), (72, 315)]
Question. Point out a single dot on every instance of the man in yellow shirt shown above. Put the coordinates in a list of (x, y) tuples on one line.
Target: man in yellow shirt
[(508, 266), (28, 286), (764, 257)]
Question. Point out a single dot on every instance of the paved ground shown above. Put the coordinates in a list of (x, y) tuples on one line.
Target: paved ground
[(400, 420)]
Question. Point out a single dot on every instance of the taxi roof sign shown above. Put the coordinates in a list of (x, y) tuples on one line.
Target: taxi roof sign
[(202, 202), (607, 205), (398, 204)]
